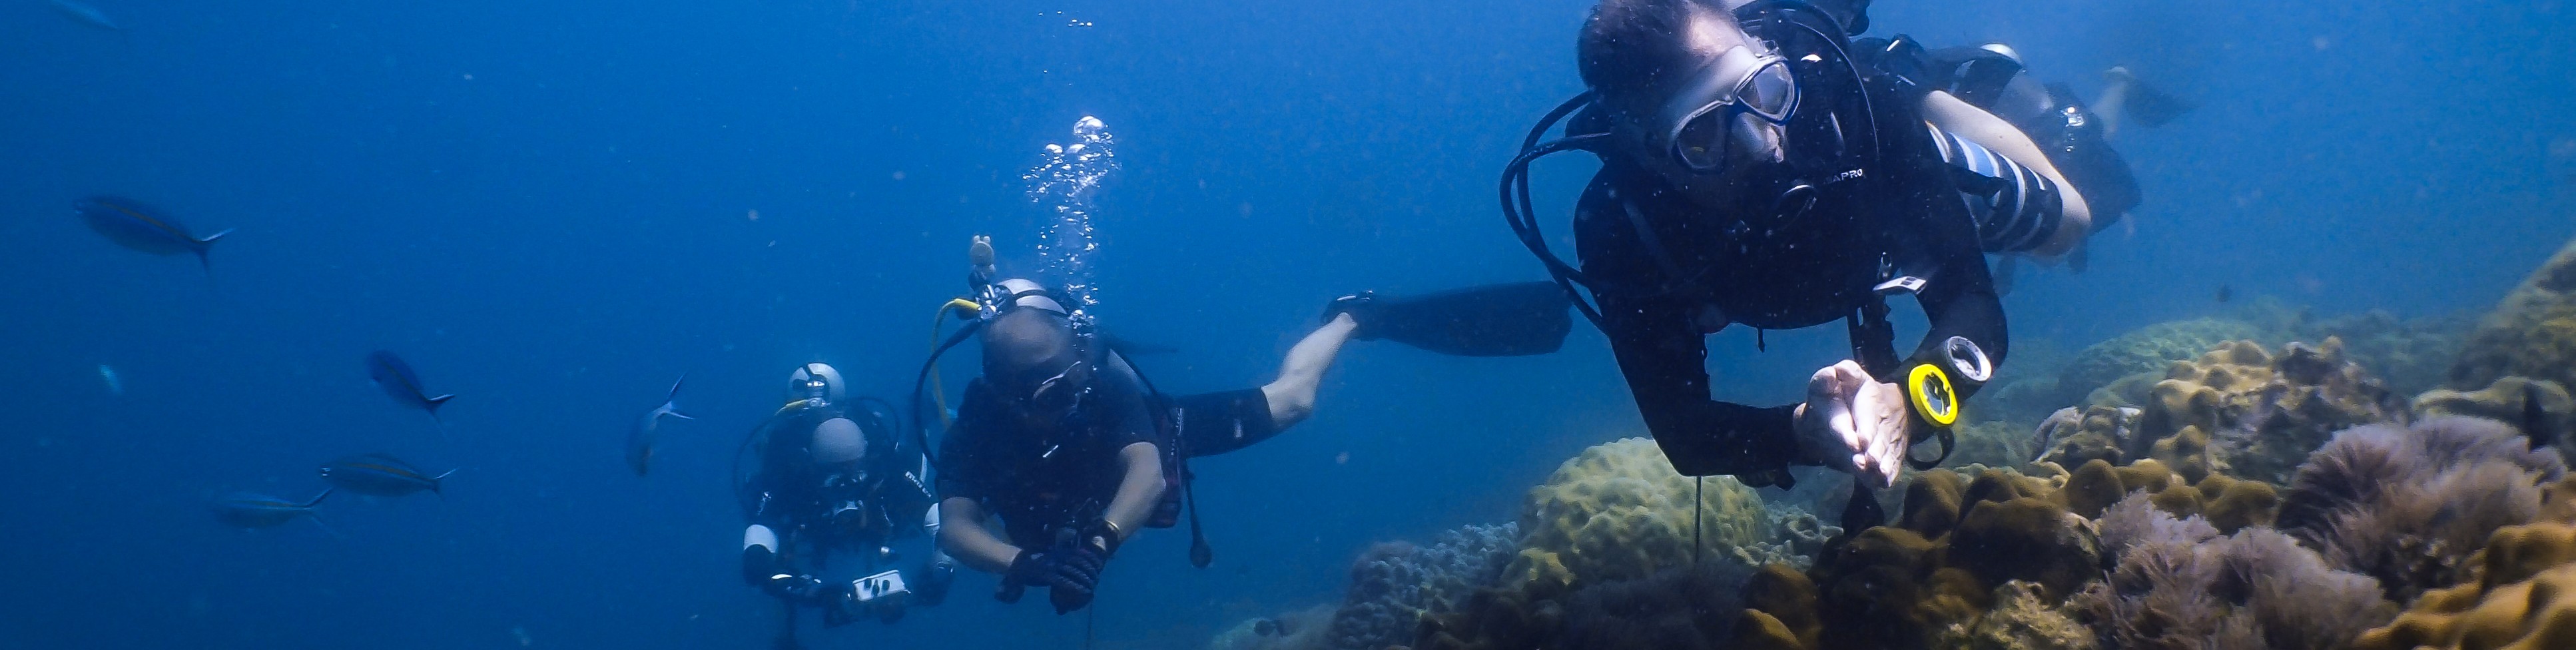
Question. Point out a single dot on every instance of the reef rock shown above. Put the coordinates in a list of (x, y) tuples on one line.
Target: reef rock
[(1620, 512), (2526, 600), (1993, 444), (2076, 435), (1393, 585), (2531, 334), (2507, 400)]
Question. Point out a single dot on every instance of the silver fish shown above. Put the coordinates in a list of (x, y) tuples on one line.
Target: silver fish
[(380, 475), (134, 225), (86, 14), (253, 510), (640, 439), (396, 378)]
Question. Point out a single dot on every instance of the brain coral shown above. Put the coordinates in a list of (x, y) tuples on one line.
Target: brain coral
[(2531, 334), (1619, 512), (2523, 602)]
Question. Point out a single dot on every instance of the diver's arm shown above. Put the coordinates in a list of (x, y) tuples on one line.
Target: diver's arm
[(1956, 116), (1140, 486), (1960, 301), (1664, 361), (963, 535)]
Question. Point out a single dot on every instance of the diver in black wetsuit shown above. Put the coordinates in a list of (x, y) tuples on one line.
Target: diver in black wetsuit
[(829, 475), (1763, 168), (1074, 451)]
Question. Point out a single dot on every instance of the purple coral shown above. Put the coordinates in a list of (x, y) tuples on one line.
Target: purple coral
[(2177, 585), (2407, 506)]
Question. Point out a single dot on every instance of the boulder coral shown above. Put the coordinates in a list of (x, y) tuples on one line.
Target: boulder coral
[(2525, 599), (2243, 411), (2532, 333), (1393, 585), (2148, 349), (1620, 512), (2507, 400)]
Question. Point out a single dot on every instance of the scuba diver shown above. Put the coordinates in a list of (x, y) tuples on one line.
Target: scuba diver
[(831, 475), (1763, 167), (1074, 451)]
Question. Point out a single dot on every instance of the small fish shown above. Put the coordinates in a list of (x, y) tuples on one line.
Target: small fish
[(253, 510), (134, 225), (86, 14), (396, 378), (2226, 293), (639, 440), (2535, 418), (380, 475), (115, 386)]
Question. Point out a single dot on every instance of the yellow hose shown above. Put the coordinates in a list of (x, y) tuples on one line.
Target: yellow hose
[(939, 394)]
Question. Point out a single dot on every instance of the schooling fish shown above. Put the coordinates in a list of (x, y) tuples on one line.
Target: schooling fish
[(252, 510), (396, 378), (380, 475), (134, 225), (639, 440), (86, 14)]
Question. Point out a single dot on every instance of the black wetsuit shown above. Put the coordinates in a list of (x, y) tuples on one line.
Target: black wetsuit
[(1042, 479), (817, 510), (1692, 269)]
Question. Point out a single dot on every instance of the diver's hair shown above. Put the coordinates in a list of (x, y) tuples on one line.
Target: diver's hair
[(1630, 45)]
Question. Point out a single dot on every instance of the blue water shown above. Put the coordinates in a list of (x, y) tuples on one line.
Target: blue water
[(553, 209)]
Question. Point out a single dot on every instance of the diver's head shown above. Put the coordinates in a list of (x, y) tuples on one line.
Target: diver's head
[(1036, 365), (815, 381), (1718, 97), (837, 442)]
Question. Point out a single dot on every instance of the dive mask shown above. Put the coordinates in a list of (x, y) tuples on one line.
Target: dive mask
[(1699, 120)]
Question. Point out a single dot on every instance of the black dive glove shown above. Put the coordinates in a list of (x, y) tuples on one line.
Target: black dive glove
[(1362, 307), (1067, 571)]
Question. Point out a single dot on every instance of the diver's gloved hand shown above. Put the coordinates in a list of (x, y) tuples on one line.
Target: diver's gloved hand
[(1362, 307), (799, 588), (1066, 571), (935, 581), (1854, 423)]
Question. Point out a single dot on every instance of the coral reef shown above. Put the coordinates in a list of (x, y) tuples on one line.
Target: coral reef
[(1678, 609), (2506, 401), (2408, 505), (2532, 333), (1993, 444), (1393, 584), (1300, 630), (2023, 618), (2525, 599), (2148, 349), (2242, 411), (2075, 435), (2178, 584), (2411, 355), (1620, 512), (1959, 540)]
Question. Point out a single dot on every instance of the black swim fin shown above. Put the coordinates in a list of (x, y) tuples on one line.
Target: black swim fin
[(2146, 105), (1495, 320)]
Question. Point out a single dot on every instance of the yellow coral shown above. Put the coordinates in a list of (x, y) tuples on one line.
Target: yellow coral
[(1620, 512), (2523, 599), (2245, 412)]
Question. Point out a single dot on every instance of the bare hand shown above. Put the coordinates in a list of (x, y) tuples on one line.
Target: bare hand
[(1854, 423)]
